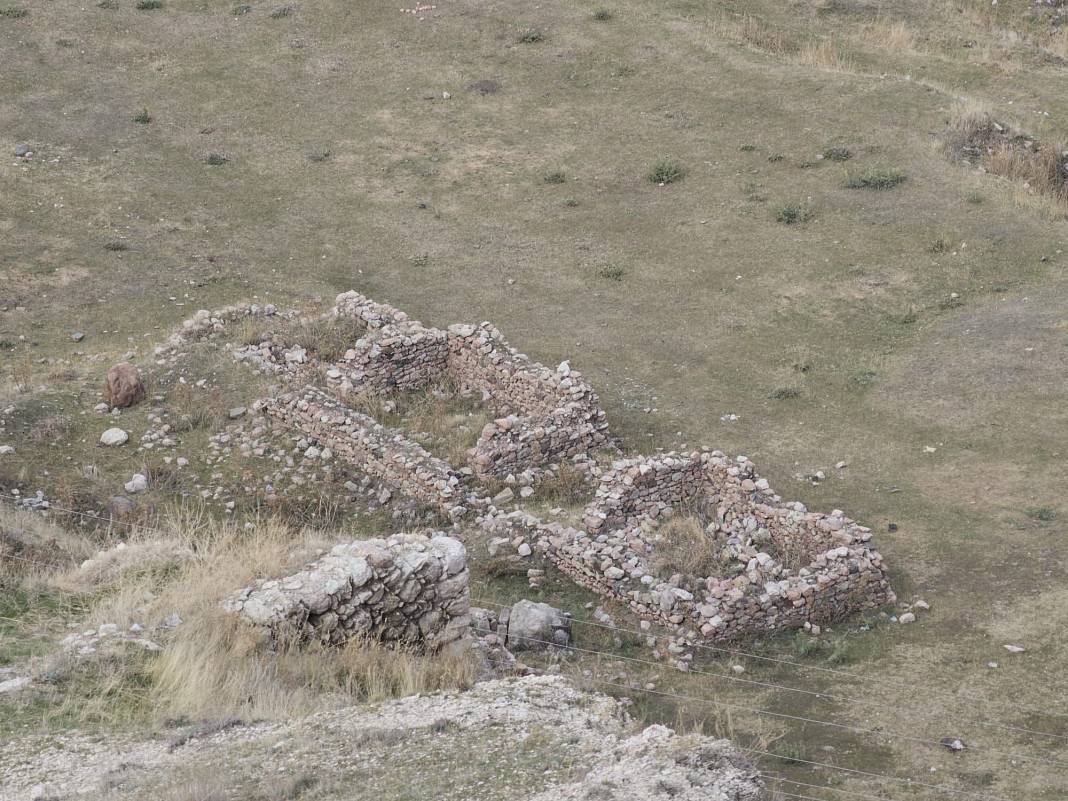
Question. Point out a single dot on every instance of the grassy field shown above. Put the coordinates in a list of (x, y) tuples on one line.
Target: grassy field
[(711, 208)]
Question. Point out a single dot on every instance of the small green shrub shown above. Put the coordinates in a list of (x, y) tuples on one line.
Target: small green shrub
[(14, 12), (747, 147), (281, 11), (876, 178), (241, 9), (666, 171), (108, 4), (571, 203), (785, 393), (865, 378), (116, 245), (149, 5), (776, 157), (790, 753), (837, 154), (1044, 514), (904, 318), (216, 159), (611, 272), (602, 15), (143, 117), (793, 213), (555, 177), (318, 155), (975, 198), (531, 36)]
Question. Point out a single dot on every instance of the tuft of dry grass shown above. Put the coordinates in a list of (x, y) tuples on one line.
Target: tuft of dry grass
[(823, 55), (890, 34), (685, 547), (213, 665), (326, 338), (1038, 167)]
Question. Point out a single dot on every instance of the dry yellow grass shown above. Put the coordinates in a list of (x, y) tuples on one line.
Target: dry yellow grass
[(214, 665), (686, 548), (749, 30), (890, 34), (823, 55)]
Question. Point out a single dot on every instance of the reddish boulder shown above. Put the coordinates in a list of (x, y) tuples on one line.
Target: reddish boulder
[(123, 386)]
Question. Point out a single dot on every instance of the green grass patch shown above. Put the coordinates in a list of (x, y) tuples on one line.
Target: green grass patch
[(531, 36), (666, 171), (241, 9), (602, 15), (554, 177), (793, 213), (143, 117), (1044, 514), (611, 272), (149, 5), (14, 12), (784, 393), (216, 159), (837, 154), (876, 178)]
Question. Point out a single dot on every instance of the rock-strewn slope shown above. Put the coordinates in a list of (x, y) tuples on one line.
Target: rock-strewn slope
[(537, 738)]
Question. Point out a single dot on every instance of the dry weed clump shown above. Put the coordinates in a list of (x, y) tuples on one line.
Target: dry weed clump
[(747, 29), (890, 34), (1040, 167), (213, 664), (685, 548)]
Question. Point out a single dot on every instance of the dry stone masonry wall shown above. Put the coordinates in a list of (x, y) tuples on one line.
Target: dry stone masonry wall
[(380, 452), (408, 589), (834, 569), (546, 415)]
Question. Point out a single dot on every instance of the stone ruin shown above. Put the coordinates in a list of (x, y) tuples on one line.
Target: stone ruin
[(408, 589), (834, 570), (544, 415), (776, 565), (383, 453)]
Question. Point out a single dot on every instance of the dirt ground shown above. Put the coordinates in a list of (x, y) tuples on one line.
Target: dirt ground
[(490, 161)]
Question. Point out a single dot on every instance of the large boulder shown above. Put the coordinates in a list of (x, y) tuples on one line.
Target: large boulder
[(535, 626), (123, 386)]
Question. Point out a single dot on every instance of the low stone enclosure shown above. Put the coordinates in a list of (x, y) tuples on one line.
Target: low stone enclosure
[(745, 562), (408, 589), (823, 566)]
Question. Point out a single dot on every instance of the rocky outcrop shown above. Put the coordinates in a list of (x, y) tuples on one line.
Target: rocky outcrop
[(528, 732), (407, 589)]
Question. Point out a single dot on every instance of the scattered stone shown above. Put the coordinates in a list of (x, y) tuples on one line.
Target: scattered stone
[(1014, 649), (123, 386), (533, 626), (77, 336), (908, 617), (139, 483), (236, 412), (113, 437), (6, 450), (23, 150), (954, 744), (504, 496)]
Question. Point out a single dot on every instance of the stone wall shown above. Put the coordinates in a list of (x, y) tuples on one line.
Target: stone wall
[(408, 589), (545, 415), (380, 452), (837, 570), (394, 353)]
